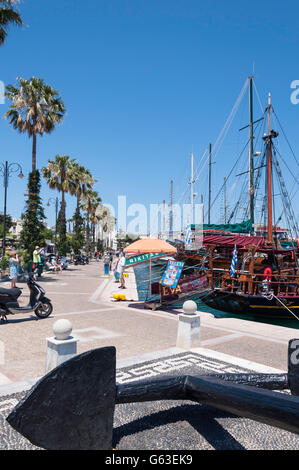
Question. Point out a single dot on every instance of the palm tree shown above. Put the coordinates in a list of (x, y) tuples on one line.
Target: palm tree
[(106, 220), (82, 181), (35, 109), (59, 175), (90, 202), (8, 16)]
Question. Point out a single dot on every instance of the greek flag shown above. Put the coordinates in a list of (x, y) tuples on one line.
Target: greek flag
[(188, 236), (234, 262)]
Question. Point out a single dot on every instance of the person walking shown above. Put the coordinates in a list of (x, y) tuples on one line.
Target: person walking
[(36, 260), (106, 263), (115, 264), (111, 260), (120, 269), (36, 255), (13, 268)]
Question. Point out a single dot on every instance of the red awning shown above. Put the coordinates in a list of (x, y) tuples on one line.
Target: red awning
[(239, 241), (243, 243)]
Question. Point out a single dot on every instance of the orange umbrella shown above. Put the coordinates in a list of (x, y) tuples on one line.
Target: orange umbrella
[(150, 245)]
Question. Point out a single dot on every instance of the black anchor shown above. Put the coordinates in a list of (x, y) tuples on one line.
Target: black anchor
[(72, 407)]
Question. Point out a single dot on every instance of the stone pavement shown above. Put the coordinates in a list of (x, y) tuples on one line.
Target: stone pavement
[(146, 346), (171, 425)]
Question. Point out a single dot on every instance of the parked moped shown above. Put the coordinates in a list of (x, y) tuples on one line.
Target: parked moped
[(38, 302)]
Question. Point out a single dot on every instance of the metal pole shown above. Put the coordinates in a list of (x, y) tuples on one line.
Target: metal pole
[(56, 214), (4, 215), (150, 277)]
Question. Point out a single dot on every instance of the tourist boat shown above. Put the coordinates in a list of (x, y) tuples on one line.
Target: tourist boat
[(265, 279), (265, 282)]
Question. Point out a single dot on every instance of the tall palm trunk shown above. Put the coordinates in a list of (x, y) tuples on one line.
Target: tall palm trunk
[(77, 212), (62, 214), (87, 236), (33, 152)]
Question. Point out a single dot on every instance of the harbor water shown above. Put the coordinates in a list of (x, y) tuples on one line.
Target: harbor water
[(142, 274)]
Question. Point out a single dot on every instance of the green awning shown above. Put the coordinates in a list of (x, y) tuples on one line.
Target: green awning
[(243, 227)]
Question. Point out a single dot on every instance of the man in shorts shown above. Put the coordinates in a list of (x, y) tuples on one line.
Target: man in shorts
[(120, 269)]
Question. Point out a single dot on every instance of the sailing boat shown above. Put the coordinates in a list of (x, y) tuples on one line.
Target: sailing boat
[(265, 281)]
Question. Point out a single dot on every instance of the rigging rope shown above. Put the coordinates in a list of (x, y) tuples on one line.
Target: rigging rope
[(222, 134), (270, 297), (285, 137)]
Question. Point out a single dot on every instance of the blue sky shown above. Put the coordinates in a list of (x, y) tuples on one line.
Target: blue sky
[(145, 83)]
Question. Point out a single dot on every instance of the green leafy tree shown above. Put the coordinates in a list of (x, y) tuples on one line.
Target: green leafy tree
[(33, 218), (8, 223), (8, 16), (48, 234)]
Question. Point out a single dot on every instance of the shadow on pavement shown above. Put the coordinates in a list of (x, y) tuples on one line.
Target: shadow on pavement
[(12, 319), (201, 418)]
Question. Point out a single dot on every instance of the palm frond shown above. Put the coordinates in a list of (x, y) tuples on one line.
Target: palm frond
[(8, 16)]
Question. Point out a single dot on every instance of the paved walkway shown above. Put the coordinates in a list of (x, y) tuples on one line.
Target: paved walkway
[(146, 345)]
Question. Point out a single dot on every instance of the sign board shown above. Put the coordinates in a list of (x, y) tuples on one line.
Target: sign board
[(187, 286), (172, 274), (133, 260)]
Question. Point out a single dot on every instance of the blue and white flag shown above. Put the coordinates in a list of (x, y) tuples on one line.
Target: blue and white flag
[(234, 262), (188, 236)]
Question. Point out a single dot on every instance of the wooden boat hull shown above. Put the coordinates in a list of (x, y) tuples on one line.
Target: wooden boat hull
[(253, 306), (189, 288)]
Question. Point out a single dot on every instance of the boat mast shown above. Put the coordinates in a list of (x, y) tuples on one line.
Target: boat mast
[(192, 195), (251, 170), (210, 177), (224, 197), (171, 211), (164, 224), (269, 173)]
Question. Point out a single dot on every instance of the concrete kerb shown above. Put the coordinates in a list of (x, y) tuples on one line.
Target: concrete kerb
[(109, 287), (23, 386), (266, 332)]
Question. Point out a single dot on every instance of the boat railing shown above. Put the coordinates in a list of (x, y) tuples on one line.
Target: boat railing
[(286, 284)]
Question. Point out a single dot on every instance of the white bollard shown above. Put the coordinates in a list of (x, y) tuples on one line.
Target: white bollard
[(188, 335), (62, 346)]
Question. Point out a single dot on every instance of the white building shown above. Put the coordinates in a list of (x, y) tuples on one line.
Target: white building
[(17, 226), (105, 228)]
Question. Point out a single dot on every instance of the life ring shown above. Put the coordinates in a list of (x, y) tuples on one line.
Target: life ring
[(268, 274)]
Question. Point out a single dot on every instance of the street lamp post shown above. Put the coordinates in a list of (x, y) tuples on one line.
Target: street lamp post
[(6, 170), (55, 201)]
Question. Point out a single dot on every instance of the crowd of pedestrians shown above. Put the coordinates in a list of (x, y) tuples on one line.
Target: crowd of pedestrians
[(114, 262)]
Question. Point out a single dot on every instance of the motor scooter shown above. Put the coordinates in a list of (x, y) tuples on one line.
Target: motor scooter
[(79, 260), (38, 303)]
